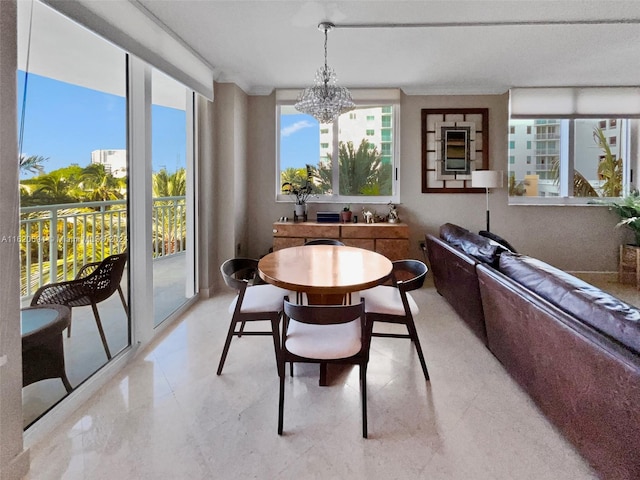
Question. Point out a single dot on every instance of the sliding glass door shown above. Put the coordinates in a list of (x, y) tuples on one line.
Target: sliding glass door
[(72, 117)]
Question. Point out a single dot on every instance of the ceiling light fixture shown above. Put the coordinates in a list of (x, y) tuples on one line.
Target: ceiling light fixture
[(325, 100)]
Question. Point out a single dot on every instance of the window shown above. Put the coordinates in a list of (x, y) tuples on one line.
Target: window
[(574, 158), (512, 145), (365, 170), (512, 159), (512, 129)]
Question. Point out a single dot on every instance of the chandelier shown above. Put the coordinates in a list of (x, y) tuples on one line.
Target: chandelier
[(325, 100)]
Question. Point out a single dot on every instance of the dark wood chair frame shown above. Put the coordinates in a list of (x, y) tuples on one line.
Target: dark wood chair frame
[(94, 283), (239, 274), (406, 275), (324, 241), (326, 315)]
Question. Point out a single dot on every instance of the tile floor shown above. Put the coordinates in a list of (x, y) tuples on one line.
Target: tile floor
[(168, 416)]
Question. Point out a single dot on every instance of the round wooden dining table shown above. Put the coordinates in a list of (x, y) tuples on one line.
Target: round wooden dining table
[(326, 273)]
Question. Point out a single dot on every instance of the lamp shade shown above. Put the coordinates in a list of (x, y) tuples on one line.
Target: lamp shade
[(486, 179)]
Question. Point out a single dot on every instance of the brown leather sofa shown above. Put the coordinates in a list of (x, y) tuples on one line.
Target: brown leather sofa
[(575, 350), (453, 258), (572, 347)]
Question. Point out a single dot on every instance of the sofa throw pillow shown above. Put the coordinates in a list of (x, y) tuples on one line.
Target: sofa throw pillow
[(498, 239), (592, 306), (481, 248)]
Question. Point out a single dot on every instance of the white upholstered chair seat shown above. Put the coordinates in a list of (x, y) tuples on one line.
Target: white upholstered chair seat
[(384, 299), (261, 298), (324, 342)]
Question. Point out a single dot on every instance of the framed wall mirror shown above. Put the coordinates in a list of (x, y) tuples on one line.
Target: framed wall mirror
[(454, 143)]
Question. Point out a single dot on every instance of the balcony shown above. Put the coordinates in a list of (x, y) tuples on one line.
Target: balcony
[(87, 232)]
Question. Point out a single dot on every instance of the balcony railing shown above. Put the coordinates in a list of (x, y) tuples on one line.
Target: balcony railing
[(56, 240)]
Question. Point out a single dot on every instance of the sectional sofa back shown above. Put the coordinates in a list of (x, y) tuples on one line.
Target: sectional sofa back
[(602, 311), (481, 248)]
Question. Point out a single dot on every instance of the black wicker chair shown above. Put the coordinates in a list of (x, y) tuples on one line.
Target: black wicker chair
[(94, 283)]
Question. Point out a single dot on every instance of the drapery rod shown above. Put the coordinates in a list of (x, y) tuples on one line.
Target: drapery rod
[(534, 23)]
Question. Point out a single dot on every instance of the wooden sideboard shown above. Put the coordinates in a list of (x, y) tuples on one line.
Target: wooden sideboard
[(389, 239)]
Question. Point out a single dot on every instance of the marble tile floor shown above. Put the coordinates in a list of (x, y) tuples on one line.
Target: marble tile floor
[(167, 415)]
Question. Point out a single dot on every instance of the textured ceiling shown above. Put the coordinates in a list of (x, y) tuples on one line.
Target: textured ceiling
[(262, 45)]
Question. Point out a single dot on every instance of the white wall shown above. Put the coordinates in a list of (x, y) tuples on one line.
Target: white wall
[(571, 238)]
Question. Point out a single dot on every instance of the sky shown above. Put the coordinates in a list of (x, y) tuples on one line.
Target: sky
[(299, 140), (65, 123)]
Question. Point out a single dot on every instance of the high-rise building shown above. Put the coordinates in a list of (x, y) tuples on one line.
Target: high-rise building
[(114, 161)]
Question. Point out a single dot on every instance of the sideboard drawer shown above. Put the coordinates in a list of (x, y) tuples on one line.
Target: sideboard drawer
[(305, 230), (388, 239)]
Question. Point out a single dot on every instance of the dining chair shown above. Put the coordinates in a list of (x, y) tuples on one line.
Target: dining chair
[(394, 304), (255, 301), (324, 241), (94, 283), (325, 334)]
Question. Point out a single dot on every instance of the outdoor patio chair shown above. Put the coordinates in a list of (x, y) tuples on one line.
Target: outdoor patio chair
[(325, 334), (94, 283), (255, 301), (393, 303)]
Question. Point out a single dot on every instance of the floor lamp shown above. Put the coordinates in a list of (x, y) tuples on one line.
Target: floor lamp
[(486, 179)]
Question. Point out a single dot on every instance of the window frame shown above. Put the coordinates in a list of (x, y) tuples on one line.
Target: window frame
[(566, 148), (335, 198)]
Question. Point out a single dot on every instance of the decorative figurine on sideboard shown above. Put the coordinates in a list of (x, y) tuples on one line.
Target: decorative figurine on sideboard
[(393, 217), (368, 215)]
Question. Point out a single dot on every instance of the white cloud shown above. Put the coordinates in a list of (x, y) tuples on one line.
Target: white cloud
[(291, 129)]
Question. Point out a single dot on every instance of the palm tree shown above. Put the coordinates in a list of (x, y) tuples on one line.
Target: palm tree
[(32, 164), (361, 171), (169, 185), (98, 184), (609, 168), (581, 186)]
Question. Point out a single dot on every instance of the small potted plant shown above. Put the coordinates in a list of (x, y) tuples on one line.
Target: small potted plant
[(628, 209), (301, 194), (345, 215)]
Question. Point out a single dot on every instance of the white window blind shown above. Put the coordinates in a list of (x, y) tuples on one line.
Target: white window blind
[(575, 102), (132, 28)]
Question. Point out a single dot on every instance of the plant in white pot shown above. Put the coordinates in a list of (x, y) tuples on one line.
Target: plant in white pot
[(301, 194)]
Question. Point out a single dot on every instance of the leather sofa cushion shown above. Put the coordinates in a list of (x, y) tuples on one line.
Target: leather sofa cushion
[(481, 248), (589, 304)]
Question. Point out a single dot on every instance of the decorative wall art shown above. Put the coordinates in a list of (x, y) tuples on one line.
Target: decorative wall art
[(455, 141)]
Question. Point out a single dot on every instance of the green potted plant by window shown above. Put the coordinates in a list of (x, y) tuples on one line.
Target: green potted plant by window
[(628, 209), (345, 214), (301, 194)]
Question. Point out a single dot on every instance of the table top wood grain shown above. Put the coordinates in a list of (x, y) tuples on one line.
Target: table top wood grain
[(324, 272)]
